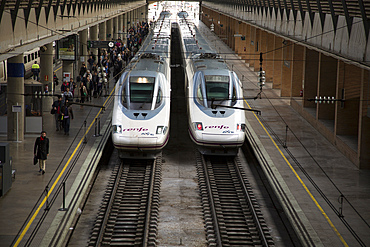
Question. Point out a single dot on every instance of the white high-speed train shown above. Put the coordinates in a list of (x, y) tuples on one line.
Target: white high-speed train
[(217, 130), (141, 111)]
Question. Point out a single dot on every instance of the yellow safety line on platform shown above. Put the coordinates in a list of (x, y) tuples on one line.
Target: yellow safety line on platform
[(300, 180), (60, 175)]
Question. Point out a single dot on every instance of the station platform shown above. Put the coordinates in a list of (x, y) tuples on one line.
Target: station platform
[(310, 174), (22, 207), (328, 195)]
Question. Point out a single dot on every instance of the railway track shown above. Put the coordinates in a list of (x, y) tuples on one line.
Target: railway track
[(129, 211), (231, 213)]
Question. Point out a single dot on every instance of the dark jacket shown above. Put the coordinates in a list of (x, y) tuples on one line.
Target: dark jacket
[(67, 111), (41, 148), (64, 86), (58, 105)]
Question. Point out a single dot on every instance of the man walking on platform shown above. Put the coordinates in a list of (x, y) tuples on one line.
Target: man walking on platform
[(41, 150), (67, 114), (57, 107), (36, 71)]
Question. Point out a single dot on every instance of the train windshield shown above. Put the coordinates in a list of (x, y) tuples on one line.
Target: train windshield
[(217, 87), (141, 89)]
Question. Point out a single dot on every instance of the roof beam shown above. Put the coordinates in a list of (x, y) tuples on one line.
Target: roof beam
[(349, 19), (364, 18), (333, 16)]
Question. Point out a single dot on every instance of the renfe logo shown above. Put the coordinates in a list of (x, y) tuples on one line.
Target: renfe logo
[(216, 127), (135, 129)]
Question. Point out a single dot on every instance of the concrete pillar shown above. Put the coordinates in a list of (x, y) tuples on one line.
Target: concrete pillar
[(129, 20), (286, 80), (120, 25), (141, 14), (15, 91), (46, 73), (132, 21), (84, 56), (109, 30), (94, 37), (115, 28), (268, 63), (257, 49), (364, 132), (327, 87), (311, 73), (252, 49), (278, 62), (349, 84), (297, 70), (102, 31)]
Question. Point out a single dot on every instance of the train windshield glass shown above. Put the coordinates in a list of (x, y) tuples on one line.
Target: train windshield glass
[(217, 87), (141, 89)]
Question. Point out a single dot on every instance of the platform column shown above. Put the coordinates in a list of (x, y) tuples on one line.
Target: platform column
[(15, 91), (84, 56), (115, 28), (286, 81), (94, 37), (257, 49), (128, 20), (348, 113), (278, 62), (297, 70), (327, 87), (252, 48), (102, 31), (268, 62), (109, 30), (311, 74), (120, 27), (46, 74), (141, 14), (364, 131)]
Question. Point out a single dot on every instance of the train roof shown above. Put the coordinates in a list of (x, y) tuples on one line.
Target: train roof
[(198, 49), (155, 51)]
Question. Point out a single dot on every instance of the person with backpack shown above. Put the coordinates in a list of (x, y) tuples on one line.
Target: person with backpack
[(56, 109)]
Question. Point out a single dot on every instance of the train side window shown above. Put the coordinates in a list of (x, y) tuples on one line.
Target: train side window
[(36, 55), (25, 59), (234, 95), (159, 96), (199, 94), (33, 56), (29, 57), (123, 96)]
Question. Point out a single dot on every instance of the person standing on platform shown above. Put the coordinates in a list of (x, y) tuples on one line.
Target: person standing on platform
[(57, 106), (67, 95), (35, 71), (90, 87), (67, 114), (72, 86), (55, 79), (91, 62), (83, 93), (41, 150), (64, 86)]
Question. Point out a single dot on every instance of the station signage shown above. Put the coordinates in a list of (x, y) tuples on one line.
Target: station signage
[(100, 44), (66, 48)]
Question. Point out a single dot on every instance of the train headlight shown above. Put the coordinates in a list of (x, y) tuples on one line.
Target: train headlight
[(117, 128), (159, 130), (198, 126), (240, 127)]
